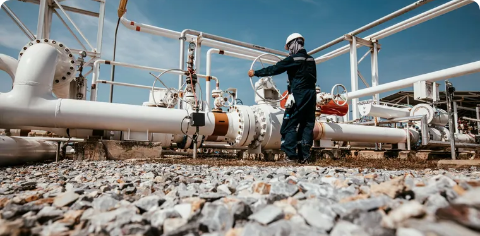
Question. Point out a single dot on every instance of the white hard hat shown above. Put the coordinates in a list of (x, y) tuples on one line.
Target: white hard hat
[(292, 37)]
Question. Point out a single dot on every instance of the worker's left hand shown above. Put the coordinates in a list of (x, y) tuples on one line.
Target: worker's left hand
[(251, 73)]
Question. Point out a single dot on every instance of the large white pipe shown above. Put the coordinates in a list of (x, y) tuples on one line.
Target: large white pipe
[(375, 110), (30, 103), (444, 74), (358, 133), (420, 18), (9, 65), (18, 150)]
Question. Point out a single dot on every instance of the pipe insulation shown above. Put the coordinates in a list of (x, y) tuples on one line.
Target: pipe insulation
[(18, 150), (9, 65)]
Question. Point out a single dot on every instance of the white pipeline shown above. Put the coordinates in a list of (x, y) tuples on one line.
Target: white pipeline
[(359, 133), (375, 110), (420, 18), (18, 150), (9, 65), (176, 35), (444, 74), (372, 24), (31, 103)]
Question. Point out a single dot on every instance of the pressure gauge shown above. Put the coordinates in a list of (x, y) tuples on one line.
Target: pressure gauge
[(191, 46)]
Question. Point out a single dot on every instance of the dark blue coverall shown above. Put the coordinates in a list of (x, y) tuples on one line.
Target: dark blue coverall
[(298, 121)]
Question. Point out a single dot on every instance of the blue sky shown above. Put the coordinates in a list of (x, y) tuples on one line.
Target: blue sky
[(446, 41)]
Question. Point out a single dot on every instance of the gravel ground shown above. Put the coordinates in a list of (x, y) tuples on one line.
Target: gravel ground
[(129, 198)]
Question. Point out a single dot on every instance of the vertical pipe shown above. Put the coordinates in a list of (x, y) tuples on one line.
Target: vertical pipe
[(41, 17), (455, 117), (198, 56), (376, 97), (451, 126), (478, 118), (207, 93), (95, 75), (58, 151), (424, 130), (101, 18), (208, 72), (181, 66), (354, 75), (47, 24), (408, 137)]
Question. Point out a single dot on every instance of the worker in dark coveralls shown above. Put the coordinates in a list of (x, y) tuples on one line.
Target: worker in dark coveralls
[(299, 120)]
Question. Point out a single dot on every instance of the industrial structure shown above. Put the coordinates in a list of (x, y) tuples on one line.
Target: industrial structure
[(49, 94)]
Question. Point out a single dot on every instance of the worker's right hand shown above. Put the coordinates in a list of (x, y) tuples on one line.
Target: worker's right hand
[(251, 73)]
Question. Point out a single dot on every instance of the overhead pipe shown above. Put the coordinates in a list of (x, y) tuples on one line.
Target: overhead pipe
[(31, 103), (444, 74), (9, 65), (96, 73), (372, 24), (420, 18), (253, 51)]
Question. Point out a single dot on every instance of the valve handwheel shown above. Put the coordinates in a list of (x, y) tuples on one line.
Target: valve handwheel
[(344, 98), (270, 77)]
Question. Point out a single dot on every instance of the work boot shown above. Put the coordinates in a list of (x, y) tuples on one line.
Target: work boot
[(289, 160), (304, 161)]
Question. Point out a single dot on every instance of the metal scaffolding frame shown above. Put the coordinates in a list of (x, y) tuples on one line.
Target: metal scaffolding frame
[(46, 10)]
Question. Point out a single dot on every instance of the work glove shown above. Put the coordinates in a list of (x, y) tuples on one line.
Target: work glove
[(290, 101), (251, 73)]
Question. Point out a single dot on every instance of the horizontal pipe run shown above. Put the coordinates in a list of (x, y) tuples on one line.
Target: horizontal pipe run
[(420, 18), (31, 103), (96, 73), (358, 133), (128, 85), (222, 146), (51, 139), (458, 145), (372, 24), (444, 74), (470, 119), (394, 120), (176, 35), (20, 150)]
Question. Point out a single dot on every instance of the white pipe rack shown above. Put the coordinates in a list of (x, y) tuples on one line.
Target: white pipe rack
[(452, 72)]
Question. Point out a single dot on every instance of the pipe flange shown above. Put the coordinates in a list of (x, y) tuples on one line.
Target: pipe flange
[(260, 129), (65, 69), (242, 118)]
